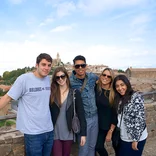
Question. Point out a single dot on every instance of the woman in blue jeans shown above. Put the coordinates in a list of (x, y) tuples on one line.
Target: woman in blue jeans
[(131, 118)]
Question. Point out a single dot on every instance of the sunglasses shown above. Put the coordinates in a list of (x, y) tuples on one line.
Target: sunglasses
[(77, 66), (61, 76), (108, 76)]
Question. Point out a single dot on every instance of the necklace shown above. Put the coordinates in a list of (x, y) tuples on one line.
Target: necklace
[(105, 88), (64, 94)]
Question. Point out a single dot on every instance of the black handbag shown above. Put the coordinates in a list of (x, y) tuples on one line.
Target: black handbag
[(116, 135), (75, 120)]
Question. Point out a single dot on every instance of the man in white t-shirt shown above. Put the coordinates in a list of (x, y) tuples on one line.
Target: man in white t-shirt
[(32, 90)]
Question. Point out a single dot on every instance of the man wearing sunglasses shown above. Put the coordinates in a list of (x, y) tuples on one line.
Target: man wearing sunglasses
[(32, 90), (85, 82)]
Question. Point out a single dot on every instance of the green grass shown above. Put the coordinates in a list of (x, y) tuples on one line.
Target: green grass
[(9, 122), (2, 123)]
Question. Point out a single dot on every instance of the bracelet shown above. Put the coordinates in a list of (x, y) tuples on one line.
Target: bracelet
[(111, 130)]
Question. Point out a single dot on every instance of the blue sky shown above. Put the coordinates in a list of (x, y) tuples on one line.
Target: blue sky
[(117, 33)]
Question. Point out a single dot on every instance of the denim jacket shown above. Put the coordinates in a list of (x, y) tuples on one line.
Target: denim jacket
[(88, 93)]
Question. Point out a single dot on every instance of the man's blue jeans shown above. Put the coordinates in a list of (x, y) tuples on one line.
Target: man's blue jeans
[(92, 132), (39, 144)]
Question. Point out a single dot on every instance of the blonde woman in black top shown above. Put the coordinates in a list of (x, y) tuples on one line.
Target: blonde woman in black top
[(107, 117)]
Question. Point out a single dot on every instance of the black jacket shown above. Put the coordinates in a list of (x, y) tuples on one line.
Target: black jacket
[(55, 110)]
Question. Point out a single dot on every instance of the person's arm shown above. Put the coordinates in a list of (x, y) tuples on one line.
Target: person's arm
[(110, 132), (96, 78), (4, 100), (113, 124), (80, 112), (139, 120), (15, 92), (139, 117), (81, 115)]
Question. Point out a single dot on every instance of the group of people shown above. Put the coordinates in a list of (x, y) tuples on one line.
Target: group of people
[(46, 109)]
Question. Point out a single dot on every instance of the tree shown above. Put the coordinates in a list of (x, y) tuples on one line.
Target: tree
[(10, 77), (120, 71), (6, 75)]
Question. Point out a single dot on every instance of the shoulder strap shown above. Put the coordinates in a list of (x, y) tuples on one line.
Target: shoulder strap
[(84, 84), (121, 116), (74, 101)]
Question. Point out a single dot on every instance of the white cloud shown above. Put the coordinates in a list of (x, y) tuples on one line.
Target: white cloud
[(62, 28), (32, 35), (95, 7), (89, 37), (140, 19), (42, 24), (11, 32), (136, 39), (122, 15), (20, 55), (139, 26), (46, 21), (65, 8), (16, 1), (31, 20)]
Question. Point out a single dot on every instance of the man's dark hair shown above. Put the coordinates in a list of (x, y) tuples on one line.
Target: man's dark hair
[(43, 56), (79, 57)]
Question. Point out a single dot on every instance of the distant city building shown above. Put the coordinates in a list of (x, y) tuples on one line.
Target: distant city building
[(90, 68), (141, 72), (56, 61), (96, 68)]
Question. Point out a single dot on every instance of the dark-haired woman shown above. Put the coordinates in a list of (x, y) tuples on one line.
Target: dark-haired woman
[(130, 107), (107, 117), (62, 112)]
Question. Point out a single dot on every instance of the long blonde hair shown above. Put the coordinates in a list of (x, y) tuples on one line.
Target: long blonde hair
[(99, 86)]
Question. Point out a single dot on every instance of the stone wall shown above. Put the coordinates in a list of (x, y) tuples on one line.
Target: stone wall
[(150, 110), (143, 74), (12, 144)]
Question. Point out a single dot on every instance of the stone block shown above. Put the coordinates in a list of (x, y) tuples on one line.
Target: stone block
[(148, 120), (18, 139), (18, 150), (149, 108), (152, 114), (18, 133), (151, 127), (10, 154), (5, 149), (8, 139), (2, 141), (154, 106)]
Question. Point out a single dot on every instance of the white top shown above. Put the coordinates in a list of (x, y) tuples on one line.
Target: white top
[(123, 133), (33, 115)]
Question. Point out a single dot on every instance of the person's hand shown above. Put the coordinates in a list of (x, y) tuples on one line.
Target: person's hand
[(109, 136), (83, 140), (134, 145)]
